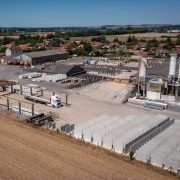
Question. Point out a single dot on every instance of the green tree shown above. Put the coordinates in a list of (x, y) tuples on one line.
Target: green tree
[(54, 43), (101, 39), (151, 44), (134, 39), (87, 47), (2, 49), (168, 40), (143, 40), (116, 40), (50, 36), (98, 54), (6, 40), (169, 43), (72, 47), (22, 37), (178, 40), (129, 40)]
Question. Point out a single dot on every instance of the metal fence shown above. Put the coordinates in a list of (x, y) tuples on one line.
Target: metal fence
[(146, 138), (67, 128), (9, 113), (128, 145)]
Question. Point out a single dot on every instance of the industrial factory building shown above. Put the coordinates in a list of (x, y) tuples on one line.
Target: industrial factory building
[(14, 52), (11, 54), (42, 57), (69, 70), (162, 81)]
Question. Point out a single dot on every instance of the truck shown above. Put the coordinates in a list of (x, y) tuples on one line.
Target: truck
[(54, 101)]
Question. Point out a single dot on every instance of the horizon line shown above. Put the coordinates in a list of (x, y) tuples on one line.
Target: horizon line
[(92, 26)]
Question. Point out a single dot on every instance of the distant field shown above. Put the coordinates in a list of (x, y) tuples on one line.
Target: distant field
[(14, 37), (42, 33), (146, 36)]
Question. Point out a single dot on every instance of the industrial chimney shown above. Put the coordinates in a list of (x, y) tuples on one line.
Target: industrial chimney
[(172, 66)]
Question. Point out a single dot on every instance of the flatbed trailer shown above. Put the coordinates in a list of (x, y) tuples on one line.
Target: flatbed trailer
[(54, 101), (40, 119)]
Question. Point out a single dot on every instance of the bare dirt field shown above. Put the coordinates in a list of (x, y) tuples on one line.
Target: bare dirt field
[(30, 153), (146, 36)]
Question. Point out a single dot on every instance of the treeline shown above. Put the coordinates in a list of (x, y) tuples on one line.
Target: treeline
[(101, 39), (32, 40), (17, 31), (97, 32), (90, 31), (84, 50), (23, 39)]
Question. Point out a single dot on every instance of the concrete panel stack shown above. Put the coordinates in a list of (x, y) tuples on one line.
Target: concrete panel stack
[(115, 132), (164, 149)]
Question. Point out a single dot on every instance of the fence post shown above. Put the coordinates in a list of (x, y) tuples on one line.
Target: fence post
[(21, 90), (31, 91), (66, 99), (41, 92), (7, 104), (33, 109), (11, 88), (20, 108)]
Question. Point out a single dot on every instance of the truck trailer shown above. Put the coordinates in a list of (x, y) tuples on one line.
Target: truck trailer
[(54, 101)]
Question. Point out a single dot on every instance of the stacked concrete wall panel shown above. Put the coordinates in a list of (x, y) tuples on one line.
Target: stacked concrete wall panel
[(115, 132), (163, 149)]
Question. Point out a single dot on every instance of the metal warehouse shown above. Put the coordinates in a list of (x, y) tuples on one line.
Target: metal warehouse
[(69, 70), (42, 57)]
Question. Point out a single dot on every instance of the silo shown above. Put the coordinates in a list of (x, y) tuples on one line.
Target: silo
[(142, 76), (179, 71), (142, 68), (172, 66), (178, 82)]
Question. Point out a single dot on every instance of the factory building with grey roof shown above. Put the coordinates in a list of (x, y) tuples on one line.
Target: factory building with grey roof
[(69, 70), (42, 57)]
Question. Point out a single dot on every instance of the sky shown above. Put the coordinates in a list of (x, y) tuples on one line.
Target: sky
[(61, 13)]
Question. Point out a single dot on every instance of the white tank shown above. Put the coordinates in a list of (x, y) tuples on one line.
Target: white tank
[(137, 101), (172, 66), (142, 68)]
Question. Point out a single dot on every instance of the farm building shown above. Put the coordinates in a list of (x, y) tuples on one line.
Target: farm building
[(42, 57), (69, 70), (13, 52)]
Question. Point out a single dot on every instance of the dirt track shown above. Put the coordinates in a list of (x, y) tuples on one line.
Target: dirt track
[(29, 153)]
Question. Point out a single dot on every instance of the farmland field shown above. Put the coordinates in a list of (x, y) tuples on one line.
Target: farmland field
[(146, 36)]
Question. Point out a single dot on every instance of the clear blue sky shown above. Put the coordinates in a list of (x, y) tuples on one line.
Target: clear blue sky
[(46, 13)]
